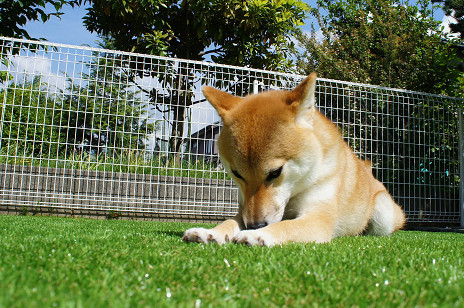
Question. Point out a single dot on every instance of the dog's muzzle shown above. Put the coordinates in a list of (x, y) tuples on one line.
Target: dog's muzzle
[(257, 225)]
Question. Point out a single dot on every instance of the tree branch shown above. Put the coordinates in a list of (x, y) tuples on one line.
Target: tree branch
[(201, 54)]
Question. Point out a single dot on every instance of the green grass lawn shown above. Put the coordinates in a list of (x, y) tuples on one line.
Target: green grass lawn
[(68, 262)]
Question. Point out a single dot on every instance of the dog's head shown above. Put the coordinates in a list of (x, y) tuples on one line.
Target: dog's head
[(266, 146)]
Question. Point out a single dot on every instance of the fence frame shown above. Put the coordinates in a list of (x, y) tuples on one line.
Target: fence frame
[(461, 164), (255, 87)]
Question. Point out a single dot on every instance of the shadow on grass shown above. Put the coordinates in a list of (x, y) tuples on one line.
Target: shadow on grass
[(178, 234)]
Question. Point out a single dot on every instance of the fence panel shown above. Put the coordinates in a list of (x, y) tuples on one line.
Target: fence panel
[(92, 129)]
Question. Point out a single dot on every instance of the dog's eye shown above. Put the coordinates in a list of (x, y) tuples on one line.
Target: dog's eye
[(237, 175), (274, 174)]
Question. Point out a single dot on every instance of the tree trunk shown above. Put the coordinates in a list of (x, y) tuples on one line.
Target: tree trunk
[(180, 100), (177, 132)]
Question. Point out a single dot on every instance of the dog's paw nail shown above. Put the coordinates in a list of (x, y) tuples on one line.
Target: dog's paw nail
[(211, 239)]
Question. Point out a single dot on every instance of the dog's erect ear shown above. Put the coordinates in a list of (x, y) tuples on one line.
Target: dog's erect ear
[(223, 102), (303, 98)]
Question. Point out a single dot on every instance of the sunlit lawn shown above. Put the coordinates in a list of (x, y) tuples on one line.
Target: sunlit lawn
[(68, 262)]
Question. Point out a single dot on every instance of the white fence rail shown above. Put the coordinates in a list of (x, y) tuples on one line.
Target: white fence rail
[(85, 129)]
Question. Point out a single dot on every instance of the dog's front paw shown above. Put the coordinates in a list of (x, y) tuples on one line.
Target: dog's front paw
[(254, 237), (202, 235)]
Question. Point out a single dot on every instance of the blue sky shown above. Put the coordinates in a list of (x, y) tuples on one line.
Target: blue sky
[(67, 30), (70, 30)]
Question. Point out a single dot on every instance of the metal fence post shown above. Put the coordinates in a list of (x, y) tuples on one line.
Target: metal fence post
[(461, 166), (255, 86), (5, 55), (2, 115)]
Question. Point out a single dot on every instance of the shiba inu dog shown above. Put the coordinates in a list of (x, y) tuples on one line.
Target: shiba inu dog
[(298, 180)]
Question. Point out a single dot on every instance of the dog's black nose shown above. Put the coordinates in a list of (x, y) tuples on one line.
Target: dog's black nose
[(256, 225)]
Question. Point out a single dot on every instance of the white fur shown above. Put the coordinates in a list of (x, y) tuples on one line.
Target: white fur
[(254, 237), (382, 221), (279, 200), (202, 235)]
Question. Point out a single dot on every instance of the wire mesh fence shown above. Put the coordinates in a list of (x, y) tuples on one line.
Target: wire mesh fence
[(86, 129)]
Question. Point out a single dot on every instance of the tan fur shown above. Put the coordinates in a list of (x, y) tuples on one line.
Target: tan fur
[(323, 190)]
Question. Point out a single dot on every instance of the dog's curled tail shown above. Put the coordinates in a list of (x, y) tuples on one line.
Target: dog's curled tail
[(399, 218)]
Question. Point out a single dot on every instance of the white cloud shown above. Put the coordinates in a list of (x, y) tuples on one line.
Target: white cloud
[(370, 17), (319, 35), (31, 65), (26, 67), (447, 20)]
